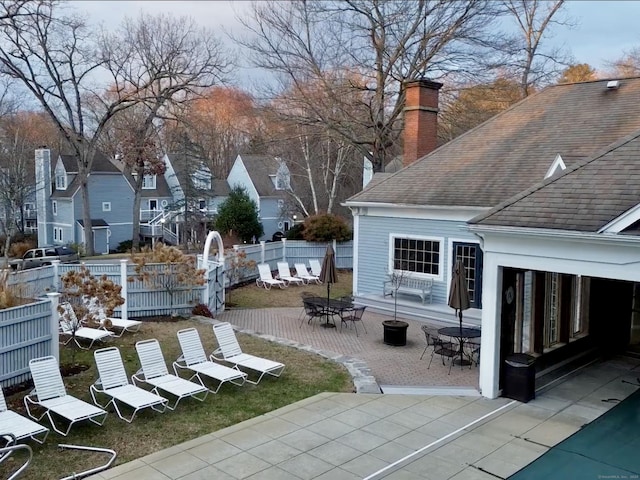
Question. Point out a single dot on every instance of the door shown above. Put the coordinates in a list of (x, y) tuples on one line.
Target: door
[(153, 204), (471, 256)]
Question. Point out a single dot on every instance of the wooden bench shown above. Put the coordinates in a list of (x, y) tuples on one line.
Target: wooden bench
[(420, 287)]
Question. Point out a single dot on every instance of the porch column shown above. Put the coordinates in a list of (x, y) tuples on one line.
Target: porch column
[(491, 306)]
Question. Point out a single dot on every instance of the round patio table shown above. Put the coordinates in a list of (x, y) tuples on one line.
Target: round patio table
[(461, 335)]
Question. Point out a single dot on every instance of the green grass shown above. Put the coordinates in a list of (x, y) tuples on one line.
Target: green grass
[(305, 375)]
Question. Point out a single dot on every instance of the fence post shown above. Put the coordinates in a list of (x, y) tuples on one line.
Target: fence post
[(123, 282), (56, 274), (263, 243), (284, 249), (54, 298)]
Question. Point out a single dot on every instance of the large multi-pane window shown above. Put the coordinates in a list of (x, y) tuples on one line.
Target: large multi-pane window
[(417, 255), (471, 256), (552, 310), (148, 182)]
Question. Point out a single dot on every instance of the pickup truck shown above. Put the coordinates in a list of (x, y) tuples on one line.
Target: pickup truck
[(38, 257)]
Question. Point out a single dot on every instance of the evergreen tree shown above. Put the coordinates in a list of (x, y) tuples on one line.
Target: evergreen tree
[(239, 215)]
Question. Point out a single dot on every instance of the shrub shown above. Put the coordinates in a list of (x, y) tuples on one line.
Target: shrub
[(18, 249), (295, 233), (8, 297), (326, 227), (125, 247), (202, 310)]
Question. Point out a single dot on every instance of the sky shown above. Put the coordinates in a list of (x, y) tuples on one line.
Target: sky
[(604, 29)]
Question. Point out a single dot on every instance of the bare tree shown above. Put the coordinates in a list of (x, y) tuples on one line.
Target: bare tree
[(60, 60), (360, 51), (627, 65)]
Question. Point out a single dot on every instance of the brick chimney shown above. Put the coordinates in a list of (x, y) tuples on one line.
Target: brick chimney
[(420, 119)]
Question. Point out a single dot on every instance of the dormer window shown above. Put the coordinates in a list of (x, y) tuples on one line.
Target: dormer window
[(61, 180), (201, 178), (149, 182)]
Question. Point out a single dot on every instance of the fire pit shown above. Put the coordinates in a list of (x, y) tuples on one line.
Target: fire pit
[(395, 332)]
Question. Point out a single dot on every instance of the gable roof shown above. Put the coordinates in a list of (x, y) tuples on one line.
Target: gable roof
[(259, 167), (101, 163), (513, 150), (585, 198)]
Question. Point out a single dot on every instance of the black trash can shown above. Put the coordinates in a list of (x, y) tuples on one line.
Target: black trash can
[(395, 332), (520, 377)]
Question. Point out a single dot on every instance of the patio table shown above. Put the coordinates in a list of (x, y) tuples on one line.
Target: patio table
[(461, 335), (331, 307)]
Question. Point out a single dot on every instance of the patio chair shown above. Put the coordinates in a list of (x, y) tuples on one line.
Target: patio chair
[(284, 273), (106, 322), (431, 334), (303, 273), (445, 349), (51, 396), (74, 328), (472, 350), (155, 373), (113, 383), (14, 426), (316, 268), (310, 311), (266, 280), (353, 315), (195, 360), (230, 351)]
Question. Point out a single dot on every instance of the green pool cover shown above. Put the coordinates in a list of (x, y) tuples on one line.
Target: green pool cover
[(608, 447)]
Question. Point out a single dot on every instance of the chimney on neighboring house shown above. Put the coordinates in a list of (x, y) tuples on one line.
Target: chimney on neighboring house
[(420, 119)]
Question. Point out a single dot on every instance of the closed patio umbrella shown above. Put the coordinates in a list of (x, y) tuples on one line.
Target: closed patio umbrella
[(329, 275), (459, 294)]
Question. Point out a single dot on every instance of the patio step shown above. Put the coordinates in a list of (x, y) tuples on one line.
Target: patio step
[(454, 391)]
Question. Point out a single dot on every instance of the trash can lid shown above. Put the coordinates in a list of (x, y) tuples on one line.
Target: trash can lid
[(520, 360)]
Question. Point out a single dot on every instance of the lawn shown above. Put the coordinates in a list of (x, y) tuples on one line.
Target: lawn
[(305, 375)]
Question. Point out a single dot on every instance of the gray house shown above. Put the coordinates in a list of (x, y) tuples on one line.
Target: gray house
[(416, 221)]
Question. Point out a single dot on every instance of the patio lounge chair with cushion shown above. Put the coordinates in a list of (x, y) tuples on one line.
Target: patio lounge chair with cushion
[(74, 328), (431, 334), (106, 323), (114, 384), (195, 360), (20, 427), (316, 268), (284, 273), (266, 280), (303, 273), (154, 372), (51, 396), (229, 351)]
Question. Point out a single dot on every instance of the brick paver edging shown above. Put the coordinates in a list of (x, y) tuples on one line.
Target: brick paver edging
[(363, 380)]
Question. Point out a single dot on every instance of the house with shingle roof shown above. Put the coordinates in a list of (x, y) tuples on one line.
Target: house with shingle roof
[(266, 180), (418, 221)]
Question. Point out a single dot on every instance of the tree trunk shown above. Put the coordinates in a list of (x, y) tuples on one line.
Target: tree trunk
[(86, 214)]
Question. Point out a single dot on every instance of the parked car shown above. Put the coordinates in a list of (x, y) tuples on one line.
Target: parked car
[(38, 257)]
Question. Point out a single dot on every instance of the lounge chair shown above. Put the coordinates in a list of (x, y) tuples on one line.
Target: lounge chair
[(284, 273), (113, 383), (14, 426), (303, 273), (106, 323), (195, 360), (316, 268), (154, 372), (229, 351), (71, 326), (51, 395), (266, 280)]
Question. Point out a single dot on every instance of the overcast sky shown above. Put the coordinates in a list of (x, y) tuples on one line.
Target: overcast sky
[(604, 31)]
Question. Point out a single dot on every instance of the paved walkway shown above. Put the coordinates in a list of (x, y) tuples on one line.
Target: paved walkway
[(346, 436)]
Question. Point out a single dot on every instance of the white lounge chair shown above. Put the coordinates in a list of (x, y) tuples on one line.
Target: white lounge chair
[(284, 273), (51, 395), (71, 326), (230, 352), (266, 280), (12, 423), (195, 360), (303, 273), (113, 383), (316, 268), (106, 322), (154, 372)]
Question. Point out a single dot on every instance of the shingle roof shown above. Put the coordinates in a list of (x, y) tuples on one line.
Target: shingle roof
[(101, 163), (513, 150), (259, 168), (585, 198)]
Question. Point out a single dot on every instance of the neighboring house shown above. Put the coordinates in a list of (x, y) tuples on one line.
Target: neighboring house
[(266, 180), (414, 222)]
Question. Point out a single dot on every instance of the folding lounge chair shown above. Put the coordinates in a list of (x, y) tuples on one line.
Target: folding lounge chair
[(266, 280), (154, 372), (113, 383), (121, 324), (231, 352), (12, 423), (72, 327), (303, 273), (316, 268), (194, 359), (284, 273), (50, 394)]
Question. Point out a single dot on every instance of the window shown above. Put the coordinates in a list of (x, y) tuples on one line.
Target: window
[(416, 255), (54, 207), (552, 310), (471, 256), (153, 204), (202, 204), (29, 206), (57, 234), (106, 206), (149, 182), (61, 180), (281, 183), (201, 178)]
